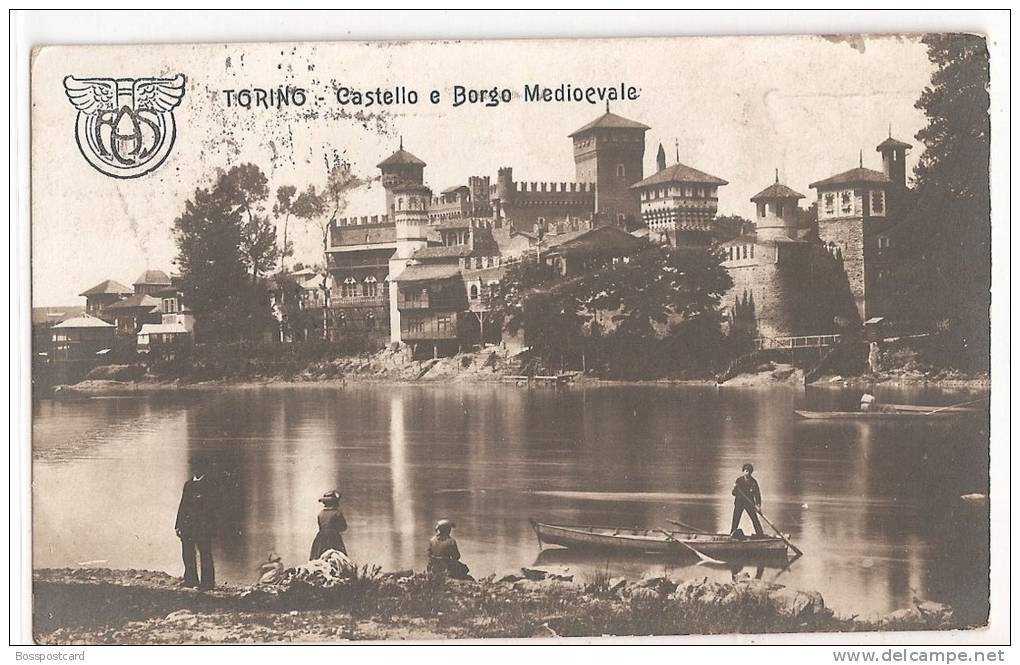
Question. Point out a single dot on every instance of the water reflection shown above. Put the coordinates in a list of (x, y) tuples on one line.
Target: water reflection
[(874, 505)]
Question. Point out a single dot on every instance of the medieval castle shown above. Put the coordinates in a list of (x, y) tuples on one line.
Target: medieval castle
[(415, 272)]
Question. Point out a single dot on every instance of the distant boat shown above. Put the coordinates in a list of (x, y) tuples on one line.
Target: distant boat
[(889, 411), (657, 541)]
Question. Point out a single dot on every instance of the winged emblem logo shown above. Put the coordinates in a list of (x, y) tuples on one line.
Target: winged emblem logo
[(125, 127)]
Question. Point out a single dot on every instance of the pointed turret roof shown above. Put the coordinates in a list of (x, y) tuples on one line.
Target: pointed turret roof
[(856, 176), (609, 121), (153, 277), (401, 158), (892, 143), (679, 173), (776, 190)]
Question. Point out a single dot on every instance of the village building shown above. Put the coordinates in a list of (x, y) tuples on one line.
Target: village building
[(81, 338), (176, 326), (102, 295)]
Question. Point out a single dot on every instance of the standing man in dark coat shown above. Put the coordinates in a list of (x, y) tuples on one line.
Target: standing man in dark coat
[(195, 526), (746, 498)]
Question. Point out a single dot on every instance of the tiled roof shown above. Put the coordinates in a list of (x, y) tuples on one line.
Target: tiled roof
[(84, 321), (856, 176), (892, 143), (153, 277), (107, 286), (609, 121), (595, 240), (454, 189), (400, 157), (419, 273), (137, 300), (443, 252), (679, 173), (776, 191)]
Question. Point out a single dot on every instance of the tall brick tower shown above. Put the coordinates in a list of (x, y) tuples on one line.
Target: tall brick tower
[(609, 151), (852, 221), (400, 167)]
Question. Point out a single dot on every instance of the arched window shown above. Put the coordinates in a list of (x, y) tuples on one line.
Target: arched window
[(620, 171), (349, 288), (474, 292), (371, 286)]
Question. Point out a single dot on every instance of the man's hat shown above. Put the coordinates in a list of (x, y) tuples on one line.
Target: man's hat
[(748, 467), (331, 496), (444, 525)]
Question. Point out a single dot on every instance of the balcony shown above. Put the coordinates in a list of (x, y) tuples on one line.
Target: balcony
[(378, 300)]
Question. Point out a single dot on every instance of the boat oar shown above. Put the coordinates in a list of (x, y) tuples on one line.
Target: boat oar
[(688, 526), (953, 406), (703, 557), (769, 522)]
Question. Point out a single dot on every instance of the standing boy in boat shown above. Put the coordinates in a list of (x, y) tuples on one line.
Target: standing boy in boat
[(746, 498)]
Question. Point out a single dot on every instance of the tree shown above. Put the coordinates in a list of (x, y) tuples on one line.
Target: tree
[(950, 223), (225, 245), (283, 207), (321, 209), (213, 276), (657, 293), (247, 188)]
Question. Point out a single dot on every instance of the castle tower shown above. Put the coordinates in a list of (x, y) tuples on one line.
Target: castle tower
[(776, 211), (411, 219), (504, 192), (852, 216), (894, 165), (609, 151), (400, 167), (894, 160)]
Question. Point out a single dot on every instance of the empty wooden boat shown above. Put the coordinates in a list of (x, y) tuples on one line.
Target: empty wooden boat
[(657, 541)]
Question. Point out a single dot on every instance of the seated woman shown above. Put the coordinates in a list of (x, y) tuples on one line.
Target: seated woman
[(444, 557)]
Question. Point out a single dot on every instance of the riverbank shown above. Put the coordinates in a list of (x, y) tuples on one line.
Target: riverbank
[(484, 366), (103, 606)]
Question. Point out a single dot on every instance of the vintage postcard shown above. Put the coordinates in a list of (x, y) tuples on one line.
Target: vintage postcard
[(459, 340)]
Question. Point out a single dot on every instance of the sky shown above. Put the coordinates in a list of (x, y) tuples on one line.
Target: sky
[(735, 107)]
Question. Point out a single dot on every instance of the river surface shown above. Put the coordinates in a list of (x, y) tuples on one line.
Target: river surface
[(874, 506)]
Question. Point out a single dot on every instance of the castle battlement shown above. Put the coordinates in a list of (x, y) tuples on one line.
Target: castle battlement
[(363, 220), (554, 187)]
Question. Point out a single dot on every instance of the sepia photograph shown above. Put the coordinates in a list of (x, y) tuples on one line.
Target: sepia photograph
[(513, 340)]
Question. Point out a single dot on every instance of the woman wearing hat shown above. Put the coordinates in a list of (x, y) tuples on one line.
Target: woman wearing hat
[(444, 556), (331, 525)]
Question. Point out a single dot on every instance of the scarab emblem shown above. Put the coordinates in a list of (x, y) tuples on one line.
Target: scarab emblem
[(125, 127)]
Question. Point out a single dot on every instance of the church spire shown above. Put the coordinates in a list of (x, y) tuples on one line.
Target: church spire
[(860, 159), (401, 141), (677, 143), (777, 176), (660, 159), (607, 106)]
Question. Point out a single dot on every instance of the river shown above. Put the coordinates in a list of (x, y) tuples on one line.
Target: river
[(874, 506)]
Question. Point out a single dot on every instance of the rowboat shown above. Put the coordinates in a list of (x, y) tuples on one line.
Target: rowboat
[(889, 411), (657, 541)]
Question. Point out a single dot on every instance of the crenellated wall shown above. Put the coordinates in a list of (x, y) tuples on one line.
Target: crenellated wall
[(796, 288)]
